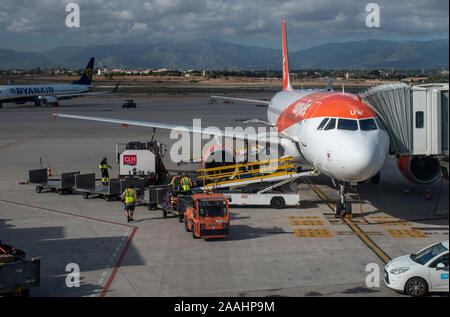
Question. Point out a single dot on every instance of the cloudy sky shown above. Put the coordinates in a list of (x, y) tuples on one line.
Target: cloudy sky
[(38, 25)]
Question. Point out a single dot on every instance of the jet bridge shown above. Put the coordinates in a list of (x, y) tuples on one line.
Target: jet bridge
[(417, 121)]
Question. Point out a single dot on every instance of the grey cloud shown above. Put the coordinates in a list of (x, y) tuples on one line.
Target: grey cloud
[(240, 20)]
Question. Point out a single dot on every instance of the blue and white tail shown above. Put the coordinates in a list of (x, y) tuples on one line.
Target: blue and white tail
[(86, 77)]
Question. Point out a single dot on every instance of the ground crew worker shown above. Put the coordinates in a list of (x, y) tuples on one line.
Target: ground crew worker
[(104, 169), (129, 196), (176, 181), (186, 182)]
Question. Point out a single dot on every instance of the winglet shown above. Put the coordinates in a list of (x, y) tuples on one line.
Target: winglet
[(286, 75), (115, 88), (330, 84)]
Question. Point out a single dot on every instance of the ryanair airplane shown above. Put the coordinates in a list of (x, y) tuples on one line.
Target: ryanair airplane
[(51, 94)]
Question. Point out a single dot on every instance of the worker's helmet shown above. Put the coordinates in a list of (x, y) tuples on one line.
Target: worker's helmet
[(179, 174)]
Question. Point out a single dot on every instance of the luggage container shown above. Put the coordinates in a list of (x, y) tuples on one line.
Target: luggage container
[(85, 183), (65, 184), (168, 200), (17, 275)]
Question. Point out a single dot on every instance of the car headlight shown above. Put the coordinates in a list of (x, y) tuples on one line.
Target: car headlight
[(399, 270)]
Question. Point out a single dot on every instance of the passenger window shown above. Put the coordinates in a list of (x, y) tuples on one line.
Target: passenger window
[(419, 119), (348, 124), (367, 124), (331, 124), (322, 124)]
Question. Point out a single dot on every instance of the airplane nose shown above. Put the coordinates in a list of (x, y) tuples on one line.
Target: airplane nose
[(362, 158)]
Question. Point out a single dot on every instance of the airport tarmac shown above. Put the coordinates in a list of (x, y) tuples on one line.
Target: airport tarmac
[(300, 251)]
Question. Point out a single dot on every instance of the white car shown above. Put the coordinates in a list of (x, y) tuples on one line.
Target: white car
[(420, 273)]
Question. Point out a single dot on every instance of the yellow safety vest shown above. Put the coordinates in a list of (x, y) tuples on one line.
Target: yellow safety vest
[(129, 195), (175, 180), (186, 182), (102, 166)]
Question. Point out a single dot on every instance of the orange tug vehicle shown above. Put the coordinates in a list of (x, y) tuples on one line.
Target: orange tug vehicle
[(206, 215)]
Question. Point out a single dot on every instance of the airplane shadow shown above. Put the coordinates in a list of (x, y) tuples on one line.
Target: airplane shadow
[(394, 196), (245, 232), (57, 251)]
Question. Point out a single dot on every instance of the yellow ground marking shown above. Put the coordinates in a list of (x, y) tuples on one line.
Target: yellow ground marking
[(365, 232), (362, 235), (407, 233), (393, 223), (312, 233), (321, 195), (306, 223)]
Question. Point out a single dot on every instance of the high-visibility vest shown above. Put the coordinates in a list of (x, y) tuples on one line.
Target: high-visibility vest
[(186, 182), (102, 166), (129, 195), (175, 180)]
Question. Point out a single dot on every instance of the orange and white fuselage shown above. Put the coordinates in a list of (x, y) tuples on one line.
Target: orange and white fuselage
[(336, 133)]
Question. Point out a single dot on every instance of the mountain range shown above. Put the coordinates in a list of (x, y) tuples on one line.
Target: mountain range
[(216, 54)]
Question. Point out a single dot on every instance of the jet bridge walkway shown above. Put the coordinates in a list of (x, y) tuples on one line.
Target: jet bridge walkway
[(416, 117)]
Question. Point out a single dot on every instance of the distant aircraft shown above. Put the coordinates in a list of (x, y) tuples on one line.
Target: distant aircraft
[(51, 94), (335, 132)]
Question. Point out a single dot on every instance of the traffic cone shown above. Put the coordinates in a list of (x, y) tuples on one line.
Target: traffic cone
[(428, 194), (49, 171)]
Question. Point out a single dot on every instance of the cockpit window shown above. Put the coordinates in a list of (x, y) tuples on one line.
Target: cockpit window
[(367, 124), (322, 124), (348, 124), (331, 124), (379, 124)]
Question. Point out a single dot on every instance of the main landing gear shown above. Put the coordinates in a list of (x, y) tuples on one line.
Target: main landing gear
[(342, 207)]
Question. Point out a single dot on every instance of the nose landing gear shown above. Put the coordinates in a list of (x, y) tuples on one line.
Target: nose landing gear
[(343, 208)]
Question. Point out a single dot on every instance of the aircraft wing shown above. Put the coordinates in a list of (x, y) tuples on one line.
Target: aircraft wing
[(263, 102), (272, 139), (81, 94)]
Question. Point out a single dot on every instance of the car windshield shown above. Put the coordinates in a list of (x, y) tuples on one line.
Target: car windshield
[(367, 124), (347, 124), (212, 208), (429, 253)]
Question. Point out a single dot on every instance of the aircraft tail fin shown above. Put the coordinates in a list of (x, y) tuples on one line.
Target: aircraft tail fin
[(286, 75), (86, 76)]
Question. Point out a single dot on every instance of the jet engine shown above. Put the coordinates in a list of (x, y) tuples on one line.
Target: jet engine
[(420, 169), (217, 156), (48, 100)]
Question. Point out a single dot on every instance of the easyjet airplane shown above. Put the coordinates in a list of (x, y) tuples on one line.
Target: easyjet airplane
[(51, 94), (333, 131)]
